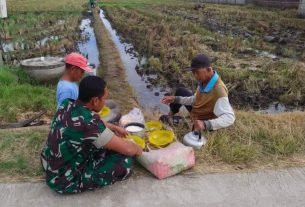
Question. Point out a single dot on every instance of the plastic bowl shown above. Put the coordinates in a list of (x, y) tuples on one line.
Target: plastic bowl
[(138, 140), (153, 125), (104, 112), (136, 129), (161, 138)]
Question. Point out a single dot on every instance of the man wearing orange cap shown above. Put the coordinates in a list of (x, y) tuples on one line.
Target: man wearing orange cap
[(76, 65)]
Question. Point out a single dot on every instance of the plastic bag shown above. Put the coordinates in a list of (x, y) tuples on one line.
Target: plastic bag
[(134, 116), (168, 161)]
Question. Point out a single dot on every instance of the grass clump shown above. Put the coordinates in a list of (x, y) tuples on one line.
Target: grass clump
[(20, 152), (257, 138)]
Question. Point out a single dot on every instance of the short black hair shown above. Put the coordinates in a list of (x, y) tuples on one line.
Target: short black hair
[(91, 86), (200, 61), (68, 66)]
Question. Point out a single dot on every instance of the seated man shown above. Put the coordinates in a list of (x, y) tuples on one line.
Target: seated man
[(210, 107), (82, 152)]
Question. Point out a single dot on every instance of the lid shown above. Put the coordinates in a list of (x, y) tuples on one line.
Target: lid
[(193, 135)]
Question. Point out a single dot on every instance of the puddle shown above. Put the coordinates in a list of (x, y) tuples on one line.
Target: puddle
[(266, 54), (8, 47), (89, 47), (12, 46), (275, 108), (148, 96), (45, 40), (20, 45)]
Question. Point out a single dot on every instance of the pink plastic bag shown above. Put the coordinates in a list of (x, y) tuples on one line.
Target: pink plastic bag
[(168, 161)]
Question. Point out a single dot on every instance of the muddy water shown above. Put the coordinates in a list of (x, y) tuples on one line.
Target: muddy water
[(275, 108), (147, 95), (89, 47), (21, 45)]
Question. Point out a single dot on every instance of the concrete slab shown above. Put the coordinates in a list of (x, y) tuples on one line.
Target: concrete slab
[(266, 188)]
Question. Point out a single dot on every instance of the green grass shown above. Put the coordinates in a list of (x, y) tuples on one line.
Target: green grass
[(19, 94), (255, 141), (46, 6), (30, 21), (20, 150), (138, 3)]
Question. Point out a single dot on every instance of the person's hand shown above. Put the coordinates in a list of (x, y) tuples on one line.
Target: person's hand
[(168, 99), (199, 125), (139, 151), (121, 132)]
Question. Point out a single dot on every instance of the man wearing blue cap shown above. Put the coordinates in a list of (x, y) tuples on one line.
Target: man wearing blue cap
[(209, 107)]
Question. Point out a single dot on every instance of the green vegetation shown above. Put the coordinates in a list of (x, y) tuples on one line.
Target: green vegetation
[(255, 141), (46, 6), (20, 94), (169, 33), (36, 28), (259, 138), (20, 151)]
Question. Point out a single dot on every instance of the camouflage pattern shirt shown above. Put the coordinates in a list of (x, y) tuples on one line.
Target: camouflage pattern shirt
[(74, 158)]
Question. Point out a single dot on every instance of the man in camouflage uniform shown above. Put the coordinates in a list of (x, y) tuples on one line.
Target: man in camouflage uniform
[(81, 152)]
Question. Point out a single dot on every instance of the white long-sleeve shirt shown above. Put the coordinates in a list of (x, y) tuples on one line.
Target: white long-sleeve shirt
[(222, 109)]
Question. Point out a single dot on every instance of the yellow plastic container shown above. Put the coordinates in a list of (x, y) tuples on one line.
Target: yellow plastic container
[(153, 125), (161, 138), (104, 112), (138, 140)]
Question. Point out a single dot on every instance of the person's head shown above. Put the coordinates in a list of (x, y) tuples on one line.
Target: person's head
[(201, 68), (93, 92), (76, 65)]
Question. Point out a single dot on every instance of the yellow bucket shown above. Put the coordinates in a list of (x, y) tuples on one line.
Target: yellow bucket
[(104, 112), (138, 140), (161, 138), (153, 125)]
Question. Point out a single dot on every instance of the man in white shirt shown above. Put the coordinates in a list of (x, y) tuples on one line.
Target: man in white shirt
[(210, 108)]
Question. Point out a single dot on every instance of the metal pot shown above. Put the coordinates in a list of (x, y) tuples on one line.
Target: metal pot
[(140, 132), (194, 139), (44, 68)]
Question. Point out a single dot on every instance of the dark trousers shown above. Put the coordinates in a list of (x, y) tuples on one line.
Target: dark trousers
[(184, 93)]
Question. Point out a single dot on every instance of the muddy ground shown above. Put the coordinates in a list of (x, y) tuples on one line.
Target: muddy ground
[(259, 53)]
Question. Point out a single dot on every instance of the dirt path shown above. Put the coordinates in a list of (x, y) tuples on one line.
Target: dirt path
[(112, 69)]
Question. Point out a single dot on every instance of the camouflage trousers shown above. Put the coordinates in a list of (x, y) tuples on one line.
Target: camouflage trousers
[(105, 168)]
